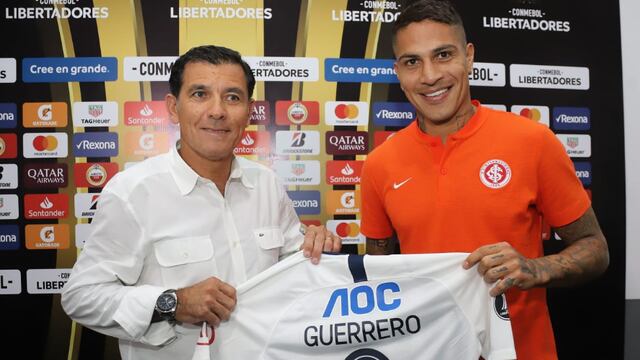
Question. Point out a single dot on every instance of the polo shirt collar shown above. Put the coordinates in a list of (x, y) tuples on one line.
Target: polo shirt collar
[(186, 178), (474, 123)]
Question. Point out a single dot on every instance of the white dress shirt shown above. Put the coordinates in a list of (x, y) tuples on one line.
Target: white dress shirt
[(161, 226)]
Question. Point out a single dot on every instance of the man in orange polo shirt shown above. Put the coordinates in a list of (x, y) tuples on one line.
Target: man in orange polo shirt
[(465, 178)]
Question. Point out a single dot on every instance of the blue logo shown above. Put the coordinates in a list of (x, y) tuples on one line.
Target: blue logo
[(571, 118), (382, 297), (9, 237), (583, 172), (393, 113), (81, 69), (99, 144), (305, 202), (360, 70), (8, 115)]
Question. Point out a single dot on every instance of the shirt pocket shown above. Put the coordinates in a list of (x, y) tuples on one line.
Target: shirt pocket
[(185, 261), (270, 241)]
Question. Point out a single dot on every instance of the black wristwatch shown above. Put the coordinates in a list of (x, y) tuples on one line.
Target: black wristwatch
[(166, 306)]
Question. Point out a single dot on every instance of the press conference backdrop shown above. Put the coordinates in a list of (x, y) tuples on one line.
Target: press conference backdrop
[(81, 90)]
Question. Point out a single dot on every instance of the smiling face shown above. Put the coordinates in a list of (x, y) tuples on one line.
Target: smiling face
[(212, 109), (433, 63)]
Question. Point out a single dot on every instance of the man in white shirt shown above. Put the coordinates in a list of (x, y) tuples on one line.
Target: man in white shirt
[(174, 234)]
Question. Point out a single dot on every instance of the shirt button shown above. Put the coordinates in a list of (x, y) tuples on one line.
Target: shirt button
[(185, 255), (443, 171)]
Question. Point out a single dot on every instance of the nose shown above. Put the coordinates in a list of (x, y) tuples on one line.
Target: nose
[(431, 73), (216, 109)]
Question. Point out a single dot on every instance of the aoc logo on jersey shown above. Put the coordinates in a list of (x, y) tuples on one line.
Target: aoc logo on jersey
[(495, 174), (500, 306), (366, 354)]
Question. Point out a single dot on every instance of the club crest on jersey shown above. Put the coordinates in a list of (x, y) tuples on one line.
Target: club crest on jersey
[(495, 174), (500, 306)]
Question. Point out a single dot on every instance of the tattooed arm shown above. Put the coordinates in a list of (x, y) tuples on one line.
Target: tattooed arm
[(585, 257), (381, 246)]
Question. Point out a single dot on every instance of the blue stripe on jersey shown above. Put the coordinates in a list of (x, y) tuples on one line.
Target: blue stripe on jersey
[(356, 266)]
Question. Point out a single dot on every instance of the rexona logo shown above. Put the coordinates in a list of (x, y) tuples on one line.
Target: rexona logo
[(148, 68), (283, 68), (47, 281), (348, 230), (344, 172), (143, 113), (260, 113), (53, 114), (9, 207), (44, 175), (347, 142), (398, 114), (297, 143), (8, 176), (576, 145), (298, 172), (49, 236), (7, 69), (488, 74), (103, 144), (583, 172), (346, 113), (85, 205), (95, 113), (297, 113), (147, 143), (9, 237), (305, 202), (46, 206), (345, 202), (45, 145), (94, 175), (549, 77), (8, 115), (381, 136), (571, 118), (254, 143), (8, 146), (532, 112)]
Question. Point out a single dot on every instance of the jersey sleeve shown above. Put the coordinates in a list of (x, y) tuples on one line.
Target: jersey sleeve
[(374, 220), (561, 196), (497, 342)]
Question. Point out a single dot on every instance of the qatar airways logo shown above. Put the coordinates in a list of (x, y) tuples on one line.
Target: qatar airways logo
[(347, 142)]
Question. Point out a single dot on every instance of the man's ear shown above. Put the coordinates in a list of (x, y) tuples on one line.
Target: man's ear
[(470, 54), (171, 102)]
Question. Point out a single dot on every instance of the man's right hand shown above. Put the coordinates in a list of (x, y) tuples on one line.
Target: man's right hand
[(210, 300)]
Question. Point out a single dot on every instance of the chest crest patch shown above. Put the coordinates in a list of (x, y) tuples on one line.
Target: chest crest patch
[(495, 174)]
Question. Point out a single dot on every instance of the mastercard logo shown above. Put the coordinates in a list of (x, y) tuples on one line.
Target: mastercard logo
[(348, 229), (45, 143), (346, 111), (533, 114)]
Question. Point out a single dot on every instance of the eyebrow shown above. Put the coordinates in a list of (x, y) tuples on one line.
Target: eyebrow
[(231, 89), (434, 51)]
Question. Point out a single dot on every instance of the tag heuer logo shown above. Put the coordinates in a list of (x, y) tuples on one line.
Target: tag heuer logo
[(298, 169), (95, 110)]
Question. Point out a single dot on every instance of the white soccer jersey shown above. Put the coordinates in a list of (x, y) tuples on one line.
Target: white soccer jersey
[(367, 308)]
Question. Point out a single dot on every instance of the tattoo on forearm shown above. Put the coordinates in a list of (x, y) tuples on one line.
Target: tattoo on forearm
[(508, 282), (382, 243)]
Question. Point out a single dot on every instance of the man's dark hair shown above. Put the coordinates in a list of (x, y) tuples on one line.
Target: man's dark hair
[(441, 11), (216, 55)]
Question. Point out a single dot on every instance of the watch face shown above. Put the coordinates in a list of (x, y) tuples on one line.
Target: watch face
[(166, 302)]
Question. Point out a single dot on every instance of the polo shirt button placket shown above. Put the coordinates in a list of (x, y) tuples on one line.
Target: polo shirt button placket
[(443, 171)]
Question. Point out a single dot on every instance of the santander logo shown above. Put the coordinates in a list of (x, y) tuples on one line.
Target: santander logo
[(247, 140), (146, 110), (347, 170), (46, 203)]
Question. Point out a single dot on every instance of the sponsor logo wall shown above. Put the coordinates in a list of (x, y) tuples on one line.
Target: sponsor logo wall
[(69, 124)]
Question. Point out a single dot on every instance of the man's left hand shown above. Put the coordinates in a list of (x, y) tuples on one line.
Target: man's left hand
[(318, 239), (503, 264)]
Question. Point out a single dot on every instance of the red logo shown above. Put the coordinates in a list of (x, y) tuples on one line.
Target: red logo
[(46, 206), (254, 143), (297, 113), (260, 113), (381, 136), (94, 175), (8, 146), (344, 172), (347, 142), (143, 113), (495, 174)]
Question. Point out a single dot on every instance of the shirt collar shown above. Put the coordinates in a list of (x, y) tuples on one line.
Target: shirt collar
[(186, 178)]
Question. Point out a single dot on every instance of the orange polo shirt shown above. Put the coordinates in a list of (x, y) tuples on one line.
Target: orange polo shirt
[(491, 181)]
